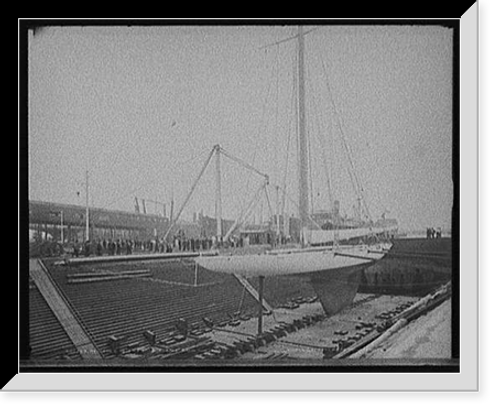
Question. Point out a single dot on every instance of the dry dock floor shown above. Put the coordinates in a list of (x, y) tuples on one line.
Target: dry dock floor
[(429, 336)]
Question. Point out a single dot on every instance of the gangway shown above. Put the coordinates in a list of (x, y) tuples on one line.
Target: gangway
[(63, 312)]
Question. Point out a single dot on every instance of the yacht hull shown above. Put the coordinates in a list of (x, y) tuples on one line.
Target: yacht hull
[(337, 288), (294, 262), (333, 272)]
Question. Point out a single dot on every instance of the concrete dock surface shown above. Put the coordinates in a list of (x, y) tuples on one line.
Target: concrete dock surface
[(429, 336)]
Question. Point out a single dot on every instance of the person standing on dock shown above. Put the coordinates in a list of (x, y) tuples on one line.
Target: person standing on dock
[(86, 248), (76, 249)]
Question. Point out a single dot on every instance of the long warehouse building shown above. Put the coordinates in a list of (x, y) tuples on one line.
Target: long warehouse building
[(46, 219)]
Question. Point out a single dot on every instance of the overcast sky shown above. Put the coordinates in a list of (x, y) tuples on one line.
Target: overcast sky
[(141, 107)]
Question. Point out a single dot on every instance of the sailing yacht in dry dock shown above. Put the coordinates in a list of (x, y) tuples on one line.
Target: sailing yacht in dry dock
[(334, 270)]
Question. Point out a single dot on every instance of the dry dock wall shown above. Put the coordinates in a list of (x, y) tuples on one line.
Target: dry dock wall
[(413, 266)]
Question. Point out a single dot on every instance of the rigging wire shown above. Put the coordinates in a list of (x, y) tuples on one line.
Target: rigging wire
[(141, 186), (311, 189), (243, 163), (276, 113), (297, 137), (192, 159), (288, 38), (297, 205), (262, 120), (268, 201), (268, 122), (309, 144), (244, 214), (293, 104), (174, 221), (319, 137), (350, 166), (352, 172)]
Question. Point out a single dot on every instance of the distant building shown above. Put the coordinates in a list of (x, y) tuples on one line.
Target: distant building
[(328, 219), (188, 230), (208, 225), (45, 222), (258, 234), (295, 228), (284, 224)]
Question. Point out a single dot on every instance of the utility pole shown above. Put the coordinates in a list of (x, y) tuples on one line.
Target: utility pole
[(261, 304), (278, 223), (87, 231), (172, 209), (218, 193), (62, 227)]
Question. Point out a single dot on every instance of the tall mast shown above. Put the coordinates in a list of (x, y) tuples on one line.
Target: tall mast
[(303, 147)]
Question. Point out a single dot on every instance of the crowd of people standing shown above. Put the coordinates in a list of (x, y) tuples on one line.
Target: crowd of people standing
[(180, 242), (126, 246), (433, 233)]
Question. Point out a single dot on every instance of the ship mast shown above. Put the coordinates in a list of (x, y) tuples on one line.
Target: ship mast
[(303, 147)]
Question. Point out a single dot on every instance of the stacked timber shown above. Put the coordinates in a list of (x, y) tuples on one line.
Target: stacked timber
[(105, 276)]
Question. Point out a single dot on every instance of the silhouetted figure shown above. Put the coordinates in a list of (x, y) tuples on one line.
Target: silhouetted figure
[(86, 249), (76, 250)]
